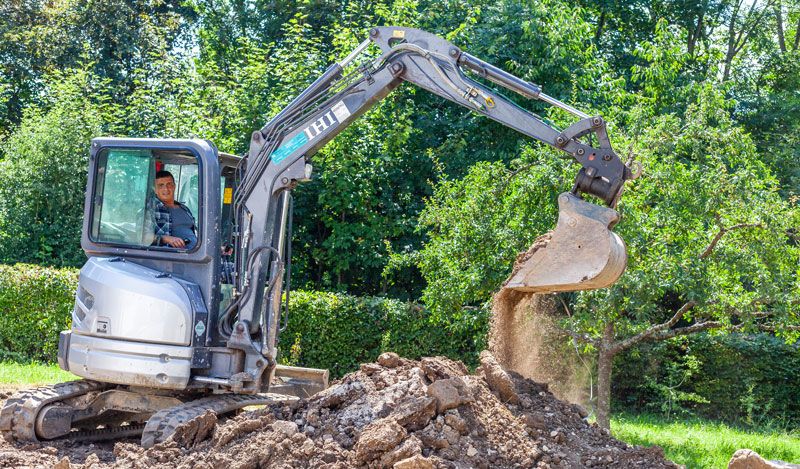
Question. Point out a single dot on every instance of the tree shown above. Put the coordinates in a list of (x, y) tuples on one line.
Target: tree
[(115, 37), (744, 22), (710, 240), (43, 176)]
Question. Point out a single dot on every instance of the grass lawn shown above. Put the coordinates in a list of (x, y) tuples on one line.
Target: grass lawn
[(15, 376), (701, 443)]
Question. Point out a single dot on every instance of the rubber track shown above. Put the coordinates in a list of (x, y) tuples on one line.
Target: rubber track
[(18, 415), (164, 422)]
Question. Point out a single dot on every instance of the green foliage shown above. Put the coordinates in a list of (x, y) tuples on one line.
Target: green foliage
[(43, 176), (663, 61), (765, 394), (670, 398), (771, 111), (422, 198), (705, 224), (702, 175), (326, 330), (477, 225), (108, 38), (37, 304), (703, 182), (743, 379), (338, 331)]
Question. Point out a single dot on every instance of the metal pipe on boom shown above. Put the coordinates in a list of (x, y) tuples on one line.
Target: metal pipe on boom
[(333, 73)]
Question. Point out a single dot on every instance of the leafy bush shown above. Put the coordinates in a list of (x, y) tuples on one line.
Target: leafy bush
[(43, 174), (326, 330), (739, 378), (35, 305)]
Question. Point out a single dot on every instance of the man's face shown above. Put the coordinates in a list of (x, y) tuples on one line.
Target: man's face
[(165, 190)]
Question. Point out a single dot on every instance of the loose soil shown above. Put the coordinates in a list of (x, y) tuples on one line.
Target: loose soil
[(525, 337), (393, 413)]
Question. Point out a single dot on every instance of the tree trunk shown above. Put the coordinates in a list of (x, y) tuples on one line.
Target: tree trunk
[(796, 35), (732, 40), (693, 36), (600, 25), (779, 21), (605, 360), (731, 49)]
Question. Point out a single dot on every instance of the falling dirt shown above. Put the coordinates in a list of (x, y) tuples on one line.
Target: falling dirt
[(525, 337), (393, 413)]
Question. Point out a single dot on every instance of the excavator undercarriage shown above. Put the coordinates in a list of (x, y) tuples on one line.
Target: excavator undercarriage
[(87, 410)]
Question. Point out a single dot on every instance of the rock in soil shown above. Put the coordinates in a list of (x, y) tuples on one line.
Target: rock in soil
[(749, 459), (395, 413)]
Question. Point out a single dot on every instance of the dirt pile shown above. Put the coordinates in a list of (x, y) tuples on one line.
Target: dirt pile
[(393, 413)]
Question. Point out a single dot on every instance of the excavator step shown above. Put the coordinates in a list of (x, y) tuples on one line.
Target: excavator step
[(582, 253)]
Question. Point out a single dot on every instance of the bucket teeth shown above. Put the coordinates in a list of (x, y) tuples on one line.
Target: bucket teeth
[(582, 253)]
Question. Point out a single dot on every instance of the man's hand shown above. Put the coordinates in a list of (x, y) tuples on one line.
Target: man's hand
[(173, 241)]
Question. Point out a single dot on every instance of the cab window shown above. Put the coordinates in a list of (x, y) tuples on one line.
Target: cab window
[(130, 208)]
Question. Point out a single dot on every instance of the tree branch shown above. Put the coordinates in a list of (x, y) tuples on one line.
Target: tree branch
[(753, 26), (688, 330), (584, 338), (600, 24), (775, 329), (722, 232), (736, 42), (779, 21), (653, 330), (736, 47)]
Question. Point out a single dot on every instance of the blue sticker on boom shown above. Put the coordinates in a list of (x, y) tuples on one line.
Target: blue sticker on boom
[(289, 147), (338, 113)]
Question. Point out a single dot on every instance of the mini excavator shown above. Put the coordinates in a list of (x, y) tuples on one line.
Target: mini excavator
[(161, 333)]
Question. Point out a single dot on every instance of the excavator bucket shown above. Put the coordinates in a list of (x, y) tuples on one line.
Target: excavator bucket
[(582, 253)]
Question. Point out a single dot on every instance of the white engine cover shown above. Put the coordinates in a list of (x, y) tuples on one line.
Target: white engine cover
[(122, 300)]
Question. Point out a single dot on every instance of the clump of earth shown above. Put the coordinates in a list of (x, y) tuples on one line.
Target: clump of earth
[(395, 413)]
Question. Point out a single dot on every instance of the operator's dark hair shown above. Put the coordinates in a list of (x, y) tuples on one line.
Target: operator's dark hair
[(163, 174)]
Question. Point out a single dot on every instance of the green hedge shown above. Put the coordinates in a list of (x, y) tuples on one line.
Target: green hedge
[(326, 330), (748, 379), (35, 305), (744, 378), (337, 332)]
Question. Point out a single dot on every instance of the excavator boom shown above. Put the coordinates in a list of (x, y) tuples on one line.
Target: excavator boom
[(583, 254)]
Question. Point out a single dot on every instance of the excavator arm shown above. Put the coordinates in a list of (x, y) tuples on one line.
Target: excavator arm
[(582, 254)]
